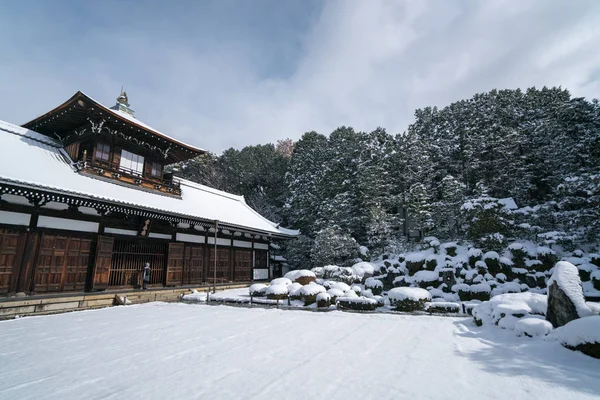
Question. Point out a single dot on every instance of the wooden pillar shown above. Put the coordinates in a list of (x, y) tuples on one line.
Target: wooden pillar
[(27, 268)]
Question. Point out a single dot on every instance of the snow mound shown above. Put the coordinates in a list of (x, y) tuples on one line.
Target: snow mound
[(350, 293), (579, 331), (566, 276), (405, 293), (533, 327)]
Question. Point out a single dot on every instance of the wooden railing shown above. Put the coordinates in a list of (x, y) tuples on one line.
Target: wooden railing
[(115, 171)]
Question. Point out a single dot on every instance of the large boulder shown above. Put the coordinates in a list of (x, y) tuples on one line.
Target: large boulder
[(565, 296)]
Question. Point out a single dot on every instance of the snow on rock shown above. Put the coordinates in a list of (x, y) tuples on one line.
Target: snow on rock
[(565, 295), (405, 293), (512, 304), (582, 331), (532, 327), (508, 322), (280, 281)]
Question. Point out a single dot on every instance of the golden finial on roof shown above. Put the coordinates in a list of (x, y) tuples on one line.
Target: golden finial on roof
[(122, 99)]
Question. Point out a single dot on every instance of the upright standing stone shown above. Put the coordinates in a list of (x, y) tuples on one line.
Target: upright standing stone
[(565, 296)]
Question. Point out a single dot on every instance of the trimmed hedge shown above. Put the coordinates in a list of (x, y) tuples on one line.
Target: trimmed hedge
[(408, 305), (357, 305)]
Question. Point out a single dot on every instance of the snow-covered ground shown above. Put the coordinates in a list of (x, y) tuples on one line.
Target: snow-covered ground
[(187, 351)]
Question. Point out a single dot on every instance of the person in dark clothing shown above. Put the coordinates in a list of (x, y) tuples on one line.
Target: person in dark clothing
[(146, 276)]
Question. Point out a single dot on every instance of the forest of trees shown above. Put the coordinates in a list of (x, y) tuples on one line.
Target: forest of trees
[(446, 174)]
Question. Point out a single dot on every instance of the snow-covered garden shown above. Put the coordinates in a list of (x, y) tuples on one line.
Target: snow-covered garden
[(161, 350)]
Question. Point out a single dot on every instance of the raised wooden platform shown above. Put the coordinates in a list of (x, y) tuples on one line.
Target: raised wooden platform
[(12, 307)]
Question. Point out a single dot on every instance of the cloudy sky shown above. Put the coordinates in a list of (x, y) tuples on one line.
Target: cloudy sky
[(226, 73)]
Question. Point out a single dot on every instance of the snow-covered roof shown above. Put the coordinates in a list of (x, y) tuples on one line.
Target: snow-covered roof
[(134, 120), (119, 114), (35, 160)]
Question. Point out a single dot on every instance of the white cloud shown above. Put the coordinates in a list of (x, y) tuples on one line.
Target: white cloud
[(362, 63)]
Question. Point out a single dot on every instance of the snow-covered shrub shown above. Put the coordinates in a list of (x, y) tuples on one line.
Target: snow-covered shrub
[(258, 290), (294, 291), (519, 254), (323, 300), (356, 303), (595, 259), (547, 256), (309, 292), (442, 307), (336, 273), (363, 270), (492, 261), (415, 261), (582, 334), (408, 299), (302, 276), (340, 286), (595, 277), (280, 281), (277, 291), (450, 248), (431, 262), (350, 293), (532, 327), (474, 256), (427, 278), (585, 271), (335, 293), (375, 285), (356, 289)]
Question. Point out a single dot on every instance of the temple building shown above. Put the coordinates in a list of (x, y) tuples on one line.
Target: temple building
[(85, 202)]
